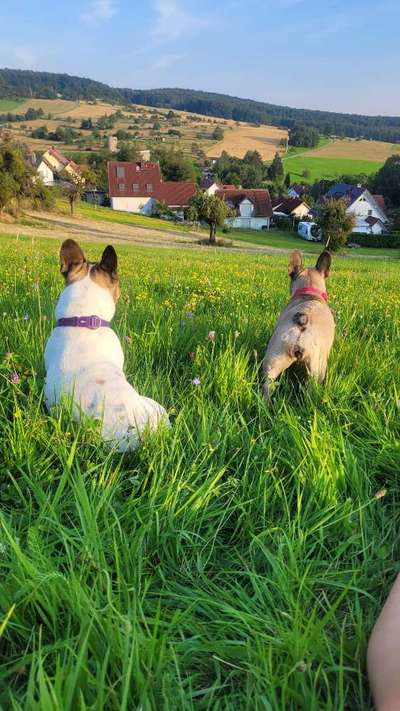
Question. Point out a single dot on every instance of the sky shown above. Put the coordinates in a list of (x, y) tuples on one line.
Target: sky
[(335, 55)]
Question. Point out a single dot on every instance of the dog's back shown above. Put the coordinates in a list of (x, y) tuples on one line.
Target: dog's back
[(306, 328), (87, 365)]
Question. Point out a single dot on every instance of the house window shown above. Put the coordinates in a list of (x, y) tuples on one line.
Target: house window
[(121, 187), (135, 187), (120, 172), (149, 187)]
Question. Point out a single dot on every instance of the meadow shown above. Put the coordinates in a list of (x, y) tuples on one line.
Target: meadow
[(236, 561), (327, 168)]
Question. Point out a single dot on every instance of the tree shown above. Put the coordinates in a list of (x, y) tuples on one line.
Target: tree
[(387, 181), (210, 209), (87, 124), (304, 136), (275, 170), (175, 165), (218, 134), (8, 189), (128, 152), (287, 180), (335, 223), (74, 186)]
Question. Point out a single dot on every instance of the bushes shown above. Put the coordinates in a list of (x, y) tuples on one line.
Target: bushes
[(368, 240)]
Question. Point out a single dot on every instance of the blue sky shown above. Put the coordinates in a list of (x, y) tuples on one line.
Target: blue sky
[(334, 55)]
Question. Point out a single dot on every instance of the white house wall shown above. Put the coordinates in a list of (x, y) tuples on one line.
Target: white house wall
[(249, 223), (45, 173), (142, 205)]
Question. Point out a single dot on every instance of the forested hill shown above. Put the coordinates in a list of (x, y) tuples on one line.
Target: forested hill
[(16, 82)]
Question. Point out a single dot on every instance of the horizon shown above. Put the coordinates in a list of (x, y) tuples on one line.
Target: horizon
[(169, 44)]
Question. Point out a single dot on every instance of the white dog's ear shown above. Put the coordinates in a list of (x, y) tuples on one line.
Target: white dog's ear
[(295, 264), (71, 258), (323, 264), (109, 260)]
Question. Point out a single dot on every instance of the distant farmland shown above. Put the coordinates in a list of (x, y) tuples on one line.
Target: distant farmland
[(240, 139), (10, 104), (328, 168), (356, 150)]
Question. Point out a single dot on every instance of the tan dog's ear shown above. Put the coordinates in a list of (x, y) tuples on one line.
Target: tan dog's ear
[(295, 264), (71, 259), (323, 264), (109, 260)]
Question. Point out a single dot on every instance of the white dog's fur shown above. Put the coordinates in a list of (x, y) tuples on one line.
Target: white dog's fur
[(87, 365)]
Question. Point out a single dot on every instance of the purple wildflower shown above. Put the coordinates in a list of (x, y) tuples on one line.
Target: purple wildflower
[(14, 378), (26, 317), (196, 381)]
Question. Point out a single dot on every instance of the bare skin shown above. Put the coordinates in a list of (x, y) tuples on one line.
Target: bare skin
[(383, 657)]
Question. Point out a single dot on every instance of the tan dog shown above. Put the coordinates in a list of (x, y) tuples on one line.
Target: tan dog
[(306, 329)]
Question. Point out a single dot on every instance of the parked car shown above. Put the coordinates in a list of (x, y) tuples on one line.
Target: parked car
[(309, 231)]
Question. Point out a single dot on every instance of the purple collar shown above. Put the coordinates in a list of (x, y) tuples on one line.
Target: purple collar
[(92, 322)]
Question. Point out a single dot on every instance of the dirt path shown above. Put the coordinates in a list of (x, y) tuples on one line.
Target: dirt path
[(60, 227)]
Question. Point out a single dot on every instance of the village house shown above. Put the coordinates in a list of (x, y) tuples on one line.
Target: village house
[(369, 210), (298, 190), (253, 208), (295, 208), (136, 187), (54, 166)]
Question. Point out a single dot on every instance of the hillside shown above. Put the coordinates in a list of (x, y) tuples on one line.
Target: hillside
[(22, 83)]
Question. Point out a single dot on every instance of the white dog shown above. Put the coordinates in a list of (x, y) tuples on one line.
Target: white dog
[(83, 356)]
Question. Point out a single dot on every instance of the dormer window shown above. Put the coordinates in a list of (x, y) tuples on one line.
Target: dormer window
[(120, 171)]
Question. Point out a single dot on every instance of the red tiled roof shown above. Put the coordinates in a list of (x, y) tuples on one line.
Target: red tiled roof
[(175, 194), (287, 205), (62, 159), (260, 198), (144, 175), (380, 201), (59, 156)]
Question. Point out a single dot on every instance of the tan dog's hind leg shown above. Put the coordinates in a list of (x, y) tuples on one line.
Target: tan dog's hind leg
[(316, 367), (272, 368)]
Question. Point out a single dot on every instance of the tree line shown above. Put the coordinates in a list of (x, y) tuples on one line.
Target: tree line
[(18, 82), (29, 115)]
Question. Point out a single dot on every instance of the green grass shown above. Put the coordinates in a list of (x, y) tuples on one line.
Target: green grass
[(290, 240), (237, 561), (295, 150), (124, 218), (328, 168), (10, 104)]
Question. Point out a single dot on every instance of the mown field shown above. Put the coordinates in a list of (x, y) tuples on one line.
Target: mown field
[(237, 561), (327, 168), (10, 104)]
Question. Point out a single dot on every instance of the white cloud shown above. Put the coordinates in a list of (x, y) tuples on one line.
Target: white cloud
[(99, 10), (25, 57), (166, 60), (173, 20)]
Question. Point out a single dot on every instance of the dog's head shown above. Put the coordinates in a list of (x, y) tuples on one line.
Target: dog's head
[(92, 288), (74, 267), (301, 276)]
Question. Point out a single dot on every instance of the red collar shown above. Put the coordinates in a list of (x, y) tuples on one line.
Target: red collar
[(311, 290)]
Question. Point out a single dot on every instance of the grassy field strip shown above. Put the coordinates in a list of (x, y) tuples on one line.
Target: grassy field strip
[(328, 168), (237, 561)]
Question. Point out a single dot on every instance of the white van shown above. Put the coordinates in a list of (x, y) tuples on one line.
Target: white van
[(309, 231)]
